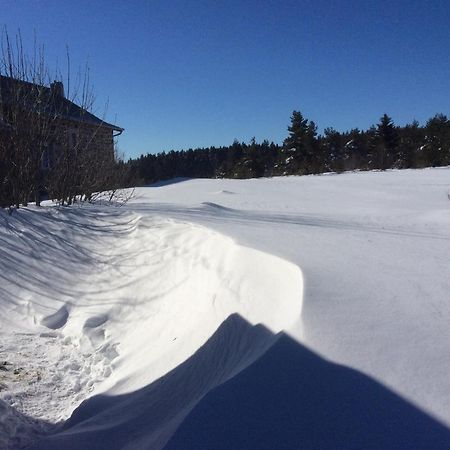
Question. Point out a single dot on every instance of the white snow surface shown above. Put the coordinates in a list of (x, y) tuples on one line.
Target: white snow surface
[(154, 324)]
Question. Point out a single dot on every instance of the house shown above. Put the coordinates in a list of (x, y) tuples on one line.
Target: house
[(68, 119), (40, 130)]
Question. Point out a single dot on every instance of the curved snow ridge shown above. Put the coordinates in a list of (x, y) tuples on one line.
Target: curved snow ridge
[(216, 206), (185, 280), (196, 308)]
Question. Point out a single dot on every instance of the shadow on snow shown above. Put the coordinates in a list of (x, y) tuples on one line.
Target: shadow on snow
[(246, 388)]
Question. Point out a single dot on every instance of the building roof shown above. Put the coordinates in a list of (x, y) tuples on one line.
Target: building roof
[(47, 100)]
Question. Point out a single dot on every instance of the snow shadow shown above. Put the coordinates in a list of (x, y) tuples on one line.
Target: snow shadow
[(292, 398), (216, 213), (34, 250), (247, 388), (168, 182), (17, 430)]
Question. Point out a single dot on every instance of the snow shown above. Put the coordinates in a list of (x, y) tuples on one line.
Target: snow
[(285, 312)]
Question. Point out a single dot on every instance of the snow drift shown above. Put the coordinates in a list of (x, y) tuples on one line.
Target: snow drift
[(123, 300), (175, 320)]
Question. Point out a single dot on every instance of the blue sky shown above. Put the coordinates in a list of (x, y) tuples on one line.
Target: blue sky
[(182, 74)]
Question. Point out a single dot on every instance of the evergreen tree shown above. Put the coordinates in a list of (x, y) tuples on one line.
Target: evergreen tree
[(300, 147), (333, 150), (411, 140), (436, 151), (384, 145), (356, 149)]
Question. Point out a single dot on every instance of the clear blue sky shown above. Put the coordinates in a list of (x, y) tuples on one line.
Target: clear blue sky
[(182, 74)]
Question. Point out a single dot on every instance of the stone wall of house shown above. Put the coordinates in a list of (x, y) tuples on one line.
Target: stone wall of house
[(104, 141), (83, 136)]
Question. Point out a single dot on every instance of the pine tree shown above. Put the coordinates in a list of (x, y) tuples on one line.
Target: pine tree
[(333, 149), (385, 148), (300, 148), (411, 140), (436, 151), (357, 149)]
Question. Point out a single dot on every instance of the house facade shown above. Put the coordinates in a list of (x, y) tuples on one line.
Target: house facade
[(69, 120), (43, 133)]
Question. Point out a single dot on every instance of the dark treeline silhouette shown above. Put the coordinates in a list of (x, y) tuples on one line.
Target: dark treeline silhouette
[(304, 151)]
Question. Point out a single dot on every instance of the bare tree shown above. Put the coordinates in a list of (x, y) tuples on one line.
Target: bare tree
[(50, 141), (27, 118)]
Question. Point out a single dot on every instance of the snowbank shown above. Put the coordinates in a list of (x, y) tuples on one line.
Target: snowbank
[(107, 301), (176, 319)]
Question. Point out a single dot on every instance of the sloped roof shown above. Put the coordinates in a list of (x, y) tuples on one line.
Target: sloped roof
[(43, 99)]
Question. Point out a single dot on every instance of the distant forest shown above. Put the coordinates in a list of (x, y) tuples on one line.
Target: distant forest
[(304, 151)]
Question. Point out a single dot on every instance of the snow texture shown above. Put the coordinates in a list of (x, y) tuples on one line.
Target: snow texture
[(183, 319)]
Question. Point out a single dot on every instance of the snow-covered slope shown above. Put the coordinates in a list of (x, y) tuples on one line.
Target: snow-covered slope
[(154, 312), (106, 301)]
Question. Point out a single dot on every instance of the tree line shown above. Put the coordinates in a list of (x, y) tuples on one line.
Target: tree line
[(305, 151)]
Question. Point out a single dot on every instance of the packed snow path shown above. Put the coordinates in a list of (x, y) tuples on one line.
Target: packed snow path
[(43, 378)]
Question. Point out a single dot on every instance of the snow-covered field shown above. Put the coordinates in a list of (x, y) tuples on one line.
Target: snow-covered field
[(296, 312)]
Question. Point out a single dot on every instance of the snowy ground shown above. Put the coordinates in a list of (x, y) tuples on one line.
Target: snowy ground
[(273, 313)]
